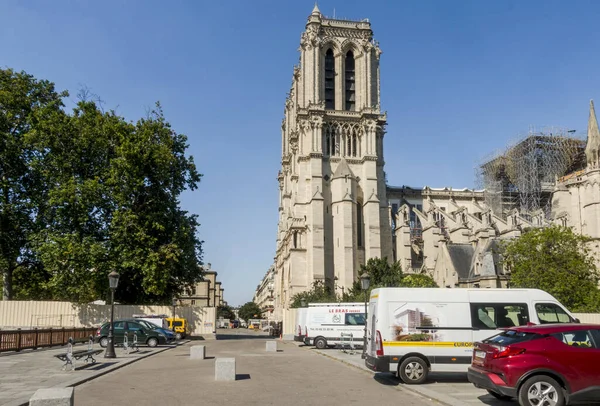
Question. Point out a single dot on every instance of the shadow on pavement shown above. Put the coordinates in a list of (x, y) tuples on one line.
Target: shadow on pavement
[(243, 337), (386, 379), (447, 377), (492, 401), (242, 377), (95, 367)]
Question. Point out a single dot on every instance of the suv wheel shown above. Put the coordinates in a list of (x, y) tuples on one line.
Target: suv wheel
[(152, 342), (541, 390), (103, 342), (413, 370)]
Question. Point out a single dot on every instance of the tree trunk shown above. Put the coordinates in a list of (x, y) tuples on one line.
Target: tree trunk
[(7, 284)]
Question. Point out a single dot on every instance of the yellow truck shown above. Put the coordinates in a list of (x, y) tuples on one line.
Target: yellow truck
[(181, 326)]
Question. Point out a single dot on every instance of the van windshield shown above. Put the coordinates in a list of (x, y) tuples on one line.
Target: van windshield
[(355, 319)]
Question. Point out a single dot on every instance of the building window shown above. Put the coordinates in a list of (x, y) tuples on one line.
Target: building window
[(329, 80), (350, 78), (295, 239), (193, 302)]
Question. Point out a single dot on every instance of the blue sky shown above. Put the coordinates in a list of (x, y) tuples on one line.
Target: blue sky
[(459, 80)]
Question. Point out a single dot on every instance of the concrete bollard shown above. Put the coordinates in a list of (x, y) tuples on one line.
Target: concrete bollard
[(225, 369), (272, 346), (197, 352), (52, 397)]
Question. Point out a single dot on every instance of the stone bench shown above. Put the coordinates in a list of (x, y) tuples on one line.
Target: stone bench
[(225, 369), (53, 397)]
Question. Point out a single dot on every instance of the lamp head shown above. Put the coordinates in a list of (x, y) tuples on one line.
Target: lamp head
[(365, 281), (113, 279)]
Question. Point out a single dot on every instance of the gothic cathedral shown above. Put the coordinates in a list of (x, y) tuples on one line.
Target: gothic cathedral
[(333, 208)]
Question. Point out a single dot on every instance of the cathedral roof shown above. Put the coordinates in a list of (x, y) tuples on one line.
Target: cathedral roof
[(342, 170), (593, 137), (316, 9)]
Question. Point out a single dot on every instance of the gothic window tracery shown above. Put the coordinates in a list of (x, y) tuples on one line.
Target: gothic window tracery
[(350, 82), (329, 80), (341, 140)]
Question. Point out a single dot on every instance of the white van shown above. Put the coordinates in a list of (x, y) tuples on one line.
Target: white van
[(326, 322), (300, 330), (412, 331)]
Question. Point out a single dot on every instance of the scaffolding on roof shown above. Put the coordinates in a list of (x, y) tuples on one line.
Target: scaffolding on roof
[(523, 175)]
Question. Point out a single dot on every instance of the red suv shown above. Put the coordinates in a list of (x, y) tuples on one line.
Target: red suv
[(541, 365)]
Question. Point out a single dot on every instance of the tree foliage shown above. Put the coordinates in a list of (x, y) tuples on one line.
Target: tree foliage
[(558, 261), (226, 312), (320, 292), (26, 104), (384, 274), (250, 310), (95, 193), (381, 273)]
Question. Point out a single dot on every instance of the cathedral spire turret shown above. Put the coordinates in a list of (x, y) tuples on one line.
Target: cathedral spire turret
[(316, 10), (593, 139)]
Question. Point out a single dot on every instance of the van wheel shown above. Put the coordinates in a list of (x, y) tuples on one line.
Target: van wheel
[(320, 343), (541, 390), (152, 342), (413, 371), (178, 336)]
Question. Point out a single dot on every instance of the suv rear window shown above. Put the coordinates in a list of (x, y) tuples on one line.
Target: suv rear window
[(511, 337)]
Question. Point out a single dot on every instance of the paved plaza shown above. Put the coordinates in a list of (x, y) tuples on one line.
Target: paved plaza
[(21, 374), (291, 376), (295, 374)]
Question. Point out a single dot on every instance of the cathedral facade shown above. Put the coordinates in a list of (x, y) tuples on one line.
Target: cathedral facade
[(333, 208), (336, 210)]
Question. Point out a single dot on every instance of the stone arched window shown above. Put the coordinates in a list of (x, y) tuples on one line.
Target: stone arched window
[(329, 80), (350, 77)]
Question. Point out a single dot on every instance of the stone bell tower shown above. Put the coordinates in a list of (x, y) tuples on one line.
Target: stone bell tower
[(333, 205)]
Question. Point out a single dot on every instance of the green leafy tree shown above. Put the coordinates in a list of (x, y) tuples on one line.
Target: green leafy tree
[(225, 312), (558, 261), (385, 274), (86, 193), (25, 105), (250, 310), (320, 292)]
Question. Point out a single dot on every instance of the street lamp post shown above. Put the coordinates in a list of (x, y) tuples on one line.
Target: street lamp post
[(174, 303), (113, 281), (365, 281)]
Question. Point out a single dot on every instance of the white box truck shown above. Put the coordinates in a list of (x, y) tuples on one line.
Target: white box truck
[(300, 329), (412, 331), (326, 322)]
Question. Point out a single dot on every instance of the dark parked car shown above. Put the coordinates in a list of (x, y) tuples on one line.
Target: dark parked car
[(150, 337), (170, 335), (541, 365)]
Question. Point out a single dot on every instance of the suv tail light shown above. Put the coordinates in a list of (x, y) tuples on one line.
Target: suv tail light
[(306, 331), (98, 331), (378, 344), (299, 330), (504, 352)]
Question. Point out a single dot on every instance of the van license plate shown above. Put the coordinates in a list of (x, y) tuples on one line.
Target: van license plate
[(480, 354)]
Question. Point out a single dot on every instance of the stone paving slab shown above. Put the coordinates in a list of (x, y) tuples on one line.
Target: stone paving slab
[(21, 374)]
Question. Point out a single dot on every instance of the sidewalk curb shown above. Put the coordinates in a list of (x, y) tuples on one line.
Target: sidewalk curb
[(79, 381)]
